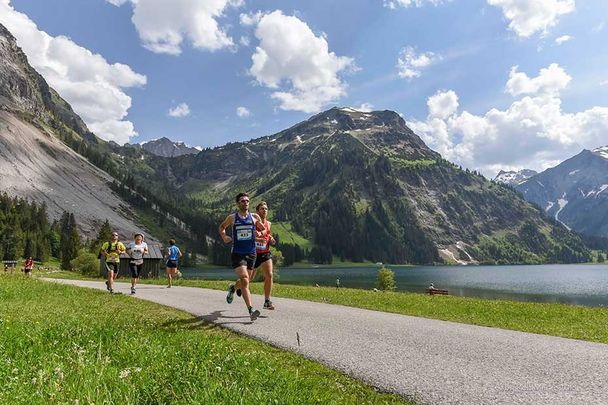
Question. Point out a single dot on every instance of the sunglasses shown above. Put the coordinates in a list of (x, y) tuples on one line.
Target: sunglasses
[(114, 234)]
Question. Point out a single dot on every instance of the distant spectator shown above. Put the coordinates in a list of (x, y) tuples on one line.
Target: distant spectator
[(27, 267)]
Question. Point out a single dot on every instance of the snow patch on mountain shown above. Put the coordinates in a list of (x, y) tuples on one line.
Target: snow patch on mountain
[(562, 202), (602, 151)]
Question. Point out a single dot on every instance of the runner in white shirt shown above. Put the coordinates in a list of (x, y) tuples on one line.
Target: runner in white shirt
[(136, 249)]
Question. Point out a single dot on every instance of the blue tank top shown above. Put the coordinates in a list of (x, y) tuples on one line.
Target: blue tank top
[(243, 235), (173, 253)]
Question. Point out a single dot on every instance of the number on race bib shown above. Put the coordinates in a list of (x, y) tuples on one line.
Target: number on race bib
[(244, 234)]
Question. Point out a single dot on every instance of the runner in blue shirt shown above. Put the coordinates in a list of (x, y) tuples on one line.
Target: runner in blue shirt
[(243, 224), (172, 255)]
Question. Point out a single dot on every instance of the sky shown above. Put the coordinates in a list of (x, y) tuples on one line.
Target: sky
[(489, 84)]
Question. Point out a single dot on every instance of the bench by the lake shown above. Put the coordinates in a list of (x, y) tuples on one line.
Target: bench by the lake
[(436, 291)]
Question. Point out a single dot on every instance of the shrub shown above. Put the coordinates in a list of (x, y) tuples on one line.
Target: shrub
[(386, 279), (86, 263)]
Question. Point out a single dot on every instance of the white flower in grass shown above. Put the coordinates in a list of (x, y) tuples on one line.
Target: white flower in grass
[(34, 380), (124, 373)]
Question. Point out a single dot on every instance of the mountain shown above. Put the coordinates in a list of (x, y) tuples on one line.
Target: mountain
[(36, 127), (575, 192), (512, 178), (345, 184), (362, 185), (167, 148)]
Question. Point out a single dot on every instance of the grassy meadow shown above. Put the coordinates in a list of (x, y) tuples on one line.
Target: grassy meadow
[(69, 345)]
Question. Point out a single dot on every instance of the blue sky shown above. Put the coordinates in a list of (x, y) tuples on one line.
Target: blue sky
[(490, 84)]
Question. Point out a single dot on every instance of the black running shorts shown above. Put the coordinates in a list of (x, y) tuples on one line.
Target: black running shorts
[(112, 266), (261, 258), (172, 264), (239, 259), (136, 269)]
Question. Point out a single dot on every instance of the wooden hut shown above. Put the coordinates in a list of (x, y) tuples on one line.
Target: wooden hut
[(152, 263)]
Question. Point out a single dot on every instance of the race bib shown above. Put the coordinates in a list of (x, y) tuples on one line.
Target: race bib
[(260, 245), (244, 234)]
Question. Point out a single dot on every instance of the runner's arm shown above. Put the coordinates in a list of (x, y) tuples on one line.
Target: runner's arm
[(272, 241), (261, 231), (229, 221)]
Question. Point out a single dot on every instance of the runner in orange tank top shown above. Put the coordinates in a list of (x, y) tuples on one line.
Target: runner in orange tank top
[(263, 255)]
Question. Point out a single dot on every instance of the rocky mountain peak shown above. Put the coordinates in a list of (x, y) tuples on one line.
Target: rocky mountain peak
[(167, 148), (380, 131), (514, 178)]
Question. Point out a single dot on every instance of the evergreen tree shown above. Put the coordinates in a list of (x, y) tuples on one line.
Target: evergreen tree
[(70, 241), (104, 235)]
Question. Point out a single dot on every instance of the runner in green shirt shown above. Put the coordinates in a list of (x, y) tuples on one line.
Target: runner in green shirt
[(112, 250)]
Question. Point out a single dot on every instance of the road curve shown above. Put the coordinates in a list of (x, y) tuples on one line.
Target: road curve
[(431, 361)]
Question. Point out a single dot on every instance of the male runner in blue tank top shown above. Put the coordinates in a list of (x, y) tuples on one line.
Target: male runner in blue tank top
[(244, 225)]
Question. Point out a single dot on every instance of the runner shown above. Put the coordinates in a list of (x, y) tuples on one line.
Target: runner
[(112, 250), (136, 249), (172, 254), (263, 256), (27, 266), (243, 225)]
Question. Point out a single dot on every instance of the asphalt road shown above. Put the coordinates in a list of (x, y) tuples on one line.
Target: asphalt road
[(431, 361)]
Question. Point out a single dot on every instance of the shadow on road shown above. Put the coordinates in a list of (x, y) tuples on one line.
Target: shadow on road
[(207, 321)]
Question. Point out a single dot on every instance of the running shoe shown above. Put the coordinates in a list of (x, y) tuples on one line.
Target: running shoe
[(253, 315), (230, 295), (268, 305), (169, 286), (110, 290), (238, 292), (107, 285), (132, 290)]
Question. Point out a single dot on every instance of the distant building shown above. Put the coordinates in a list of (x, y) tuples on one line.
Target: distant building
[(152, 263)]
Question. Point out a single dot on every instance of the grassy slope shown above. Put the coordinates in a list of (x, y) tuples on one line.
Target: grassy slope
[(570, 321), (61, 344)]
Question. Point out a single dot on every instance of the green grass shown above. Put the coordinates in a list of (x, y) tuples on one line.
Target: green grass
[(570, 321), (62, 343), (288, 235)]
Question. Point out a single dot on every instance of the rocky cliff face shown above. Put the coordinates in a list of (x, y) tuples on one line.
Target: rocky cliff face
[(35, 163), (575, 192)]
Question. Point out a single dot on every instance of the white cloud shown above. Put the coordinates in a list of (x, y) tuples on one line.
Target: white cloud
[(163, 26), (393, 4), (526, 17), (297, 64), (250, 19), (562, 39), (410, 64), (244, 41), (533, 132), (243, 112), (550, 80), (117, 3), (180, 111), (443, 104), (604, 83), (92, 86)]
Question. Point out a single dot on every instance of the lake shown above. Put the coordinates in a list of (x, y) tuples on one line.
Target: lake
[(578, 284)]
